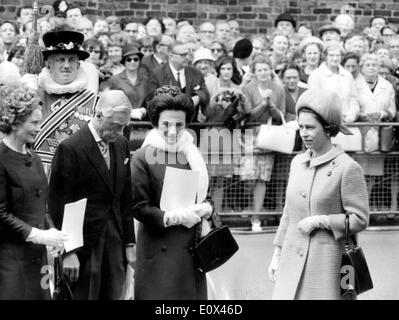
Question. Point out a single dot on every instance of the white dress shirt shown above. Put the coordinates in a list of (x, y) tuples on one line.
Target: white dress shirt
[(182, 76)]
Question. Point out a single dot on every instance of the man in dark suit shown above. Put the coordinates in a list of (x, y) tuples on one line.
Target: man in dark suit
[(160, 55), (94, 163), (177, 72)]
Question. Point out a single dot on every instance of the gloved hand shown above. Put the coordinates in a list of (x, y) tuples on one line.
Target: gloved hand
[(136, 114), (55, 251), (274, 264), (51, 237), (202, 210), (308, 224), (71, 267), (186, 217)]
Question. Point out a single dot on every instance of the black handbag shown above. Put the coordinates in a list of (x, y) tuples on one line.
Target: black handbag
[(62, 287), (213, 250), (355, 275), (233, 117)]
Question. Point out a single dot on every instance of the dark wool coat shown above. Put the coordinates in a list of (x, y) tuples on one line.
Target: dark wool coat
[(23, 194), (164, 268)]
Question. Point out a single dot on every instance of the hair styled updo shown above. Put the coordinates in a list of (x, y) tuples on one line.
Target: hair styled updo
[(16, 105), (170, 98)]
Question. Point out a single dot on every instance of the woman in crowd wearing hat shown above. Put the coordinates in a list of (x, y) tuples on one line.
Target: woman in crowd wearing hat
[(132, 81), (265, 98), (222, 92), (204, 62), (324, 184), (23, 196), (331, 75), (312, 48), (165, 267)]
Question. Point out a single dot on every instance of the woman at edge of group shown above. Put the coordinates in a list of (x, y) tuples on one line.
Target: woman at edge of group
[(165, 268), (265, 98), (23, 195), (324, 184)]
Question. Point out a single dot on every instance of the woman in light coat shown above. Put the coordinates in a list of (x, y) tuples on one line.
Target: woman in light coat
[(332, 76), (324, 183)]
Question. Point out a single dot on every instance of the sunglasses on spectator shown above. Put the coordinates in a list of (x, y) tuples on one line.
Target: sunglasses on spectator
[(217, 50), (93, 50), (135, 59)]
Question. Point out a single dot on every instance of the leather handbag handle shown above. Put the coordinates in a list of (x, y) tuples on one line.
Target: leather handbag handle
[(347, 232)]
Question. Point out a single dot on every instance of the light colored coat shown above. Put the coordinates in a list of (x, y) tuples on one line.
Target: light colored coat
[(342, 83), (331, 184), (382, 99)]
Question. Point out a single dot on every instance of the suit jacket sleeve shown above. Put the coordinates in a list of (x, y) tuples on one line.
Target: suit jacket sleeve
[(8, 221), (203, 94), (62, 182), (126, 203), (143, 210)]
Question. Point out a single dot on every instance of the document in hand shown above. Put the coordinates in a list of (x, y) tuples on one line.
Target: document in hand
[(180, 189), (72, 224)]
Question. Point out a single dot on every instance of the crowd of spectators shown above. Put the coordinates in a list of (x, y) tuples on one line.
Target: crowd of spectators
[(268, 71)]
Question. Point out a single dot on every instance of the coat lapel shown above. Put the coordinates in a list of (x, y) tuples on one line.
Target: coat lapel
[(94, 155), (170, 78), (189, 79), (117, 153)]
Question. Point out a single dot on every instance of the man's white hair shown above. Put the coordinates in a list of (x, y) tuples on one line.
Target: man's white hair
[(112, 101)]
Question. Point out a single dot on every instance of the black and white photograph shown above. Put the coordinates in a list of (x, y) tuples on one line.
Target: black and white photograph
[(199, 154)]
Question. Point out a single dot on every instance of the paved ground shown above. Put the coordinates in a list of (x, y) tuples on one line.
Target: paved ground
[(244, 277)]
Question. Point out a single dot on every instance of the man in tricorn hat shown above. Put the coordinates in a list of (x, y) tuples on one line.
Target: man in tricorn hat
[(67, 104)]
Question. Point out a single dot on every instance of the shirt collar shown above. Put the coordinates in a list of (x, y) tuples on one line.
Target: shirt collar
[(328, 72), (94, 132), (314, 162), (160, 61), (174, 71)]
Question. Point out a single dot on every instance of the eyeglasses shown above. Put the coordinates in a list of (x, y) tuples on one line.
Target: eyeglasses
[(183, 55), (131, 31), (135, 59), (217, 50), (93, 50)]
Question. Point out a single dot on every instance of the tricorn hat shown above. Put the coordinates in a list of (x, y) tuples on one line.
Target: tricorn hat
[(64, 42)]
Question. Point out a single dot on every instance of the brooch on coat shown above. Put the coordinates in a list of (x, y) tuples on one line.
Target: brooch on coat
[(332, 165)]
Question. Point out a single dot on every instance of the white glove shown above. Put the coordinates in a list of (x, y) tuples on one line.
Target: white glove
[(274, 264), (55, 251), (186, 217), (51, 237), (308, 224), (137, 114), (202, 210)]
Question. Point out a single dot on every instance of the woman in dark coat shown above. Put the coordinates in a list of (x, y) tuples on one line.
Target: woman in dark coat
[(23, 194), (132, 81), (165, 268)]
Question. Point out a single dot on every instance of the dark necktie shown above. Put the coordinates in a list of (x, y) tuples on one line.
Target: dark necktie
[(104, 148), (178, 80)]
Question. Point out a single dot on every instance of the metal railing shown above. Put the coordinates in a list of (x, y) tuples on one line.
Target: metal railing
[(237, 196)]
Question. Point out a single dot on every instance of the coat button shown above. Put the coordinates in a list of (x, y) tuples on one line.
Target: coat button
[(333, 163), (300, 252), (329, 173), (303, 195), (163, 248), (38, 192)]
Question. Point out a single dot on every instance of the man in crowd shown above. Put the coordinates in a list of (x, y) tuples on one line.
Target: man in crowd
[(177, 72), (67, 104), (285, 24), (24, 15), (73, 15), (8, 32), (160, 56), (329, 33), (206, 34), (94, 164)]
